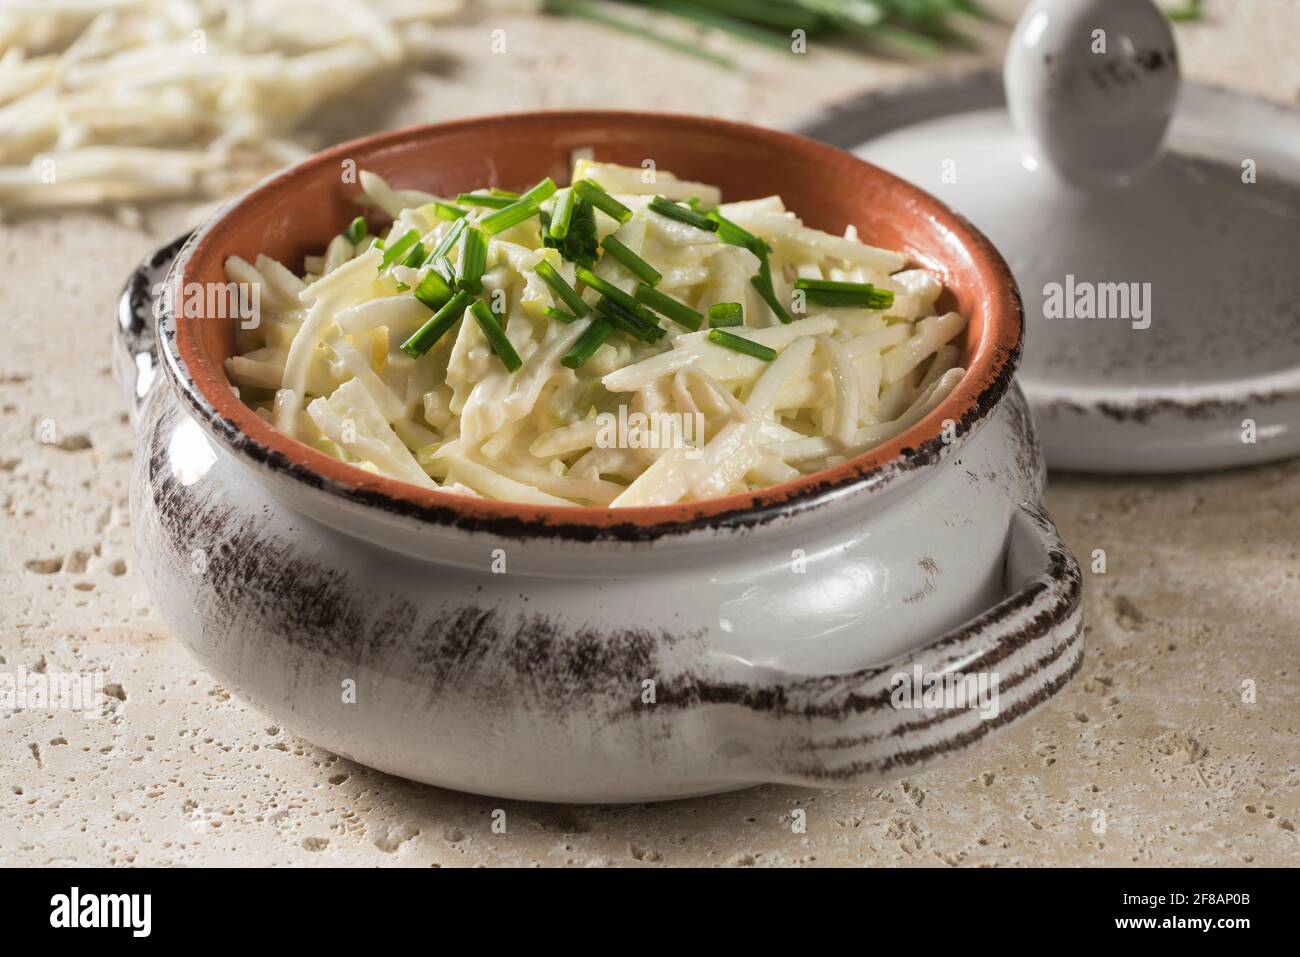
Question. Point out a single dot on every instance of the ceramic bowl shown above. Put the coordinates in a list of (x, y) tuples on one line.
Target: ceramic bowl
[(587, 654)]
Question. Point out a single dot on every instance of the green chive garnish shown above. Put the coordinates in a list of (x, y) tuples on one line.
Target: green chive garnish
[(507, 193), (611, 291), (423, 339), (734, 235), (356, 230), (447, 210), (828, 292), (726, 314), (631, 261), (740, 344), (587, 343), (581, 241), (434, 290), (665, 305), (442, 265), (593, 193), (567, 294), (559, 315), (448, 242), (682, 214), (486, 199), (629, 322), (763, 283), (473, 260), (415, 257), (542, 191), (396, 250), (512, 215), (496, 336), (559, 227)]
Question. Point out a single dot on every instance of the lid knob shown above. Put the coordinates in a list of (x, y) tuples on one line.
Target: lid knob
[(1093, 83)]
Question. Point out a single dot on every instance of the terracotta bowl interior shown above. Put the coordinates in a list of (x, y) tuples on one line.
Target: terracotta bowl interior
[(296, 213)]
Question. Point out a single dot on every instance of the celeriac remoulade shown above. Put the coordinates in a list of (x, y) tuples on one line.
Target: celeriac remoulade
[(629, 340)]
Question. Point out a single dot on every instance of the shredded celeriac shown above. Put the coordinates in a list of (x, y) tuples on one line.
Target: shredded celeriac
[(118, 101), (326, 364)]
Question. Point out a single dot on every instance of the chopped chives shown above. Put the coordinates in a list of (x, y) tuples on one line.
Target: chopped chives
[(395, 251), (415, 257), (740, 344), (828, 292), (595, 194), (563, 213), (433, 290), (559, 315), (567, 294), (734, 235), (629, 322), (496, 336), (763, 283), (486, 199), (473, 260), (423, 339), (542, 191), (682, 214), (512, 215), (726, 314), (356, 230), (587, 343), (631, 261), (498, 191), (442, 265), (611, 291), (666, 305), (447, 210), (581, 241), (448, 242)]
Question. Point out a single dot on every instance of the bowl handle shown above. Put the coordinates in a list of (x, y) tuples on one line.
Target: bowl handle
[(886, 721), (135, 336)]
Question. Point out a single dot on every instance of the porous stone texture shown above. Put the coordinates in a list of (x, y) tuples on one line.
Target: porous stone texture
[(1156, 754)]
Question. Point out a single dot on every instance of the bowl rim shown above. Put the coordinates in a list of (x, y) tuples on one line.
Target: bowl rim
[(207, 390)]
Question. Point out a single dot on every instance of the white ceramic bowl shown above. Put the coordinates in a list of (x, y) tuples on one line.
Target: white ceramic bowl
[(590, 655)]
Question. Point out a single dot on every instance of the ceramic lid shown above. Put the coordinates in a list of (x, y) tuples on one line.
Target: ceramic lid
[(1153, 230)]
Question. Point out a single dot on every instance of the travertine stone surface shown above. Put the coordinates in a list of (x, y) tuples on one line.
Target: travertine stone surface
[(1201, 591)]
